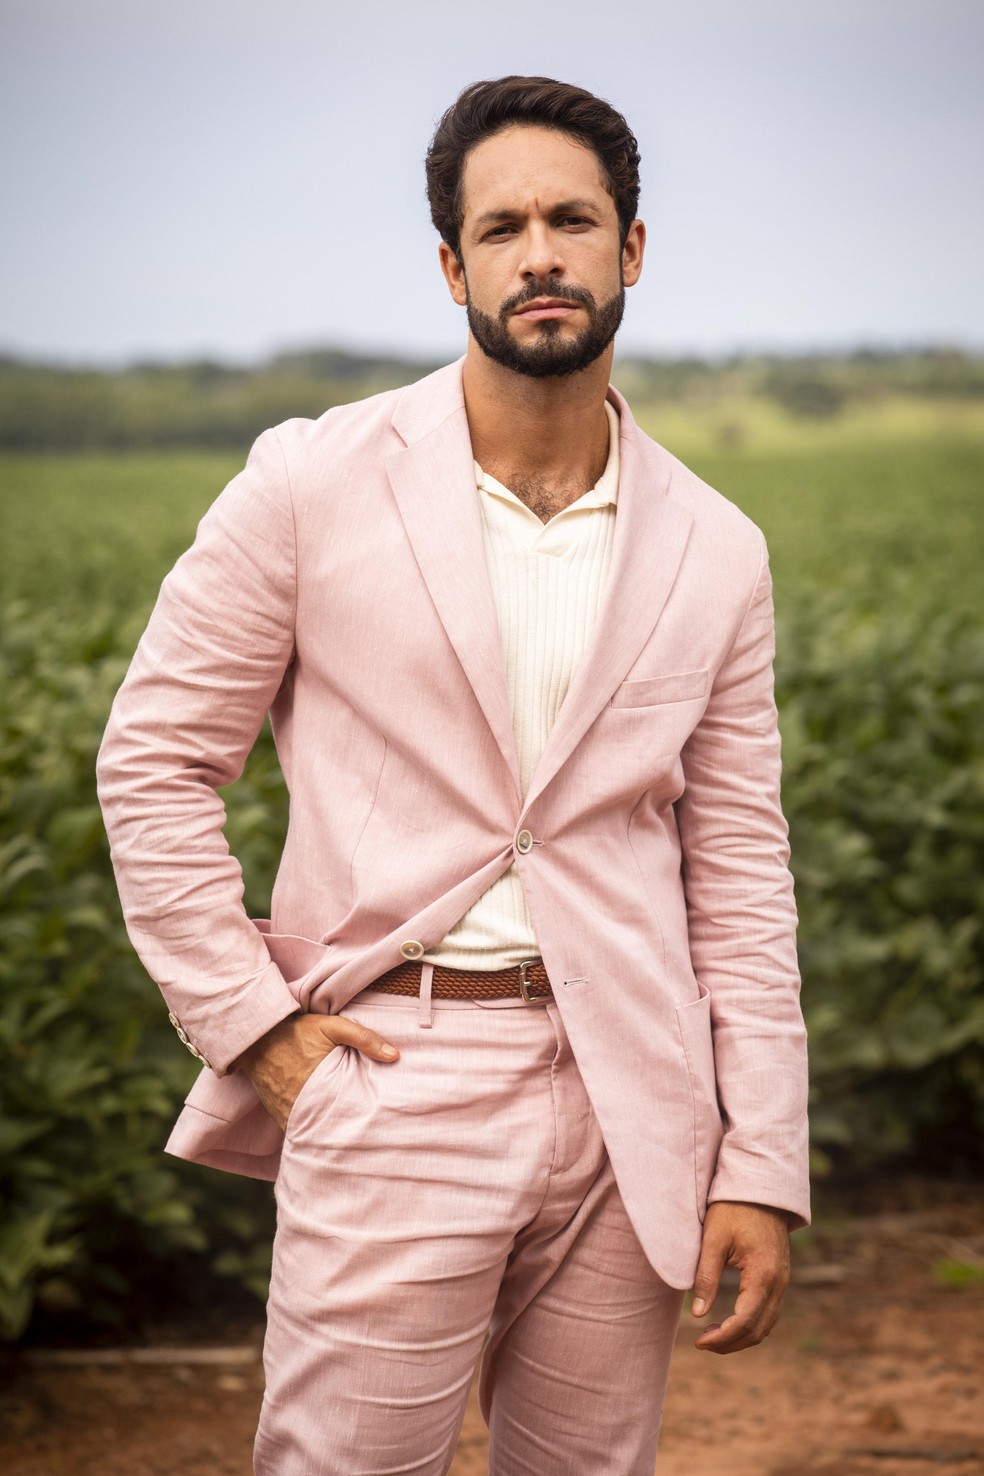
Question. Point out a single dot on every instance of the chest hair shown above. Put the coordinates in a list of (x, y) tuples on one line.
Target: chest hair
[(543, 499)]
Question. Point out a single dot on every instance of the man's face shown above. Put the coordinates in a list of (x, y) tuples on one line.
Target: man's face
[(541, 272)]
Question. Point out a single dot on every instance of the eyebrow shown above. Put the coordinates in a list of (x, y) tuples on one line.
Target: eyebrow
[(491, 217)]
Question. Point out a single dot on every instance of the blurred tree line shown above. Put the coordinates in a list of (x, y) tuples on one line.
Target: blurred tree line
[(207, 404)]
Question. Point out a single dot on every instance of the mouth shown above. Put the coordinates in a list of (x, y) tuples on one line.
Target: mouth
[(543, 308)]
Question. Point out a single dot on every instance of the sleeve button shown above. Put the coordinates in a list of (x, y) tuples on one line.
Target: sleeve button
[(412, 949)]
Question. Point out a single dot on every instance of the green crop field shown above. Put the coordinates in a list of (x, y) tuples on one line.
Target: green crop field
[(884, 504), (881, 505), (874, 521)]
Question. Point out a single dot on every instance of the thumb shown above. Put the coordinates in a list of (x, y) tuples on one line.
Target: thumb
[(707, 1279)]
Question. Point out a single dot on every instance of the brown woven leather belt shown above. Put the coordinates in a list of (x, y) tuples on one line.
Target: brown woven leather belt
[(527, 981)]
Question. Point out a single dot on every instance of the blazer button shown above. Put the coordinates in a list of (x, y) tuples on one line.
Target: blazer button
[(524, 842), (412, 949)]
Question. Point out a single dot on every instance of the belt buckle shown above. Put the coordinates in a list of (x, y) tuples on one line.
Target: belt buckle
[(524, 984)]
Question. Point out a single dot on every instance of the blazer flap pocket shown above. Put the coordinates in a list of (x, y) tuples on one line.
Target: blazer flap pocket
[(293, 955), (685, 686)]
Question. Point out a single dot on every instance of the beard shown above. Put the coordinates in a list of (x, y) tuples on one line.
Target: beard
[(550, 353)]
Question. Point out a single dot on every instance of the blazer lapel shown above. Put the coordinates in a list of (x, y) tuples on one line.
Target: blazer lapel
[(651, 533), (433, 481)]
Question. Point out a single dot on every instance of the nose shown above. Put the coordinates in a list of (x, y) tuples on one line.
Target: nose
[(542, 256)]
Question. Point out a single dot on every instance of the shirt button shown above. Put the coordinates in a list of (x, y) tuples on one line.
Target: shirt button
[(524, 842), (412, 949)]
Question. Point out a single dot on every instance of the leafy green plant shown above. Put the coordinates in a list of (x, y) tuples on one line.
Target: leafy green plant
[(884, 789), (880, 682), (89, 1077)]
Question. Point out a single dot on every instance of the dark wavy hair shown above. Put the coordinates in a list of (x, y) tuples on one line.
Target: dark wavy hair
[(486, 108)]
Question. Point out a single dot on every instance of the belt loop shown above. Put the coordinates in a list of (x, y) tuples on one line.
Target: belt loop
[(426, 1017)]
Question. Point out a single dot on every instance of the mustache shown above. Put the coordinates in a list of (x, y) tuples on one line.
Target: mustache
[(562, 291)]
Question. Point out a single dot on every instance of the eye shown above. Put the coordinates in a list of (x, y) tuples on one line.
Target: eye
[(498, 232), (575, 220)]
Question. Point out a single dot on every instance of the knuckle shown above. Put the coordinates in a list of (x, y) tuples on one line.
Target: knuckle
[(338, 1030)]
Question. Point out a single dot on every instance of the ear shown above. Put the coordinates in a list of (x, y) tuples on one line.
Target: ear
[(632, 253), (454, 273)]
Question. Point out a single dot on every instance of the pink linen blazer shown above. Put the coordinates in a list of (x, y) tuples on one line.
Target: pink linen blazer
[(340, 583)]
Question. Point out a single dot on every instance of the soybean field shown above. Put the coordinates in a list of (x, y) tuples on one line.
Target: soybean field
[(874, 520)]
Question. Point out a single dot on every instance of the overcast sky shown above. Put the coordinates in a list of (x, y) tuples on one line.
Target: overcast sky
[(229, 177)]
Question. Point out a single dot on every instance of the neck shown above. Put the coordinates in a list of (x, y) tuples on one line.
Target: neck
[(549, 431)]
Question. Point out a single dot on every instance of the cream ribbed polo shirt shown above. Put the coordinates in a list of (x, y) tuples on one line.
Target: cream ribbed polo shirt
[(547, 584)]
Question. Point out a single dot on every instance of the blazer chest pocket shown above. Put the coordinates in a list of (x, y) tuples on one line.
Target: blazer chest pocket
[(685, 686)]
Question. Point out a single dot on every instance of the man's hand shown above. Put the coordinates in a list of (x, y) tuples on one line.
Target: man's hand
[(756, 1240), (280, 1062)]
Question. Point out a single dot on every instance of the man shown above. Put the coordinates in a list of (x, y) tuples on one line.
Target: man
[(528, 1004)]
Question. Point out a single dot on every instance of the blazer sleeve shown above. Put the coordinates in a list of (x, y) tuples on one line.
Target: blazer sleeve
[(206, 671), (742, 923)]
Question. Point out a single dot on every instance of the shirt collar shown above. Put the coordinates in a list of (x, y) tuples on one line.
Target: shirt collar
[(604, 491)]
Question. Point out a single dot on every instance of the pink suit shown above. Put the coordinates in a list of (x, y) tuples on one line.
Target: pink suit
[(340, 582)]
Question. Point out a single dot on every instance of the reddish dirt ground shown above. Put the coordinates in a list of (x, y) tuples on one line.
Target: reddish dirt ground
[(876, 1367)]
